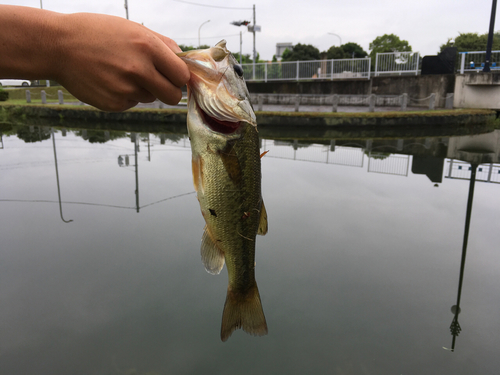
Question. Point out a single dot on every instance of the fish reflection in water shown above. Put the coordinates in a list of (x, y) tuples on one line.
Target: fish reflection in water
[(227, 178)]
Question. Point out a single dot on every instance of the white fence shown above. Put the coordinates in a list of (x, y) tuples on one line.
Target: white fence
[(461, 170), (474, 61), (329, 154), (393, 63), (309, 70), (396, 164)]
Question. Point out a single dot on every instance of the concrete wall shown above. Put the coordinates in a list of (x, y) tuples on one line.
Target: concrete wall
[(477, 90), (346, 87), (417, 87)]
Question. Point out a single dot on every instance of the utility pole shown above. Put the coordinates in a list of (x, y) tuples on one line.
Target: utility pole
[(254, 51)]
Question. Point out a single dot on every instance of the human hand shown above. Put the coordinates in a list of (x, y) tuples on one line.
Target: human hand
[(112, 63)]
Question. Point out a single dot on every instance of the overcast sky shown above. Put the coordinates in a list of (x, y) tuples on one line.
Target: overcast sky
[(425, 24)]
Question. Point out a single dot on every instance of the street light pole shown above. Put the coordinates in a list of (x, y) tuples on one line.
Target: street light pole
[(241, 44), (199, 39), (41, 6), (126, 8), (337, 37)]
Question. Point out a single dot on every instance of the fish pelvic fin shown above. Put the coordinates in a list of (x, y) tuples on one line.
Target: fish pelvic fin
[(211, 256), (243, 310), (263, 221)]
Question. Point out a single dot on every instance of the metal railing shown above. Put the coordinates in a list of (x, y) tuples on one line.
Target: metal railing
[(316, 153), (474, 61), (308, 70), (461, 170), (396, 164), (391, 63), (399, 63)]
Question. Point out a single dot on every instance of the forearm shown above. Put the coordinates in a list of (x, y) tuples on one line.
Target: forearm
[(106, 61), (28, 40)]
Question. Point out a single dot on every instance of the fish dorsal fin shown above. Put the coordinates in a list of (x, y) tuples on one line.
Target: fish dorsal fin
[(211, 256), (219, 52), (263, 221)]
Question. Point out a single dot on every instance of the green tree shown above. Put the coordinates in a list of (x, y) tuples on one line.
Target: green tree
[(189, 48), (34, 134), (387, 43), (354, 50), (245, 58), (336, 53), (472, 42), (301, 52)]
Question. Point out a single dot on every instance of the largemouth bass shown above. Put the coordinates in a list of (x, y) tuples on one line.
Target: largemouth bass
[(227, 178)]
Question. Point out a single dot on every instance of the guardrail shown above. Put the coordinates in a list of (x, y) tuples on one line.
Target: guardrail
[(308, 70), (397, 63), (391, 63), (474, 61)]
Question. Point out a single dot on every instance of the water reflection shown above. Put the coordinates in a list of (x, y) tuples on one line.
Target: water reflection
[(455, 309), (57, 178), (445, 160)]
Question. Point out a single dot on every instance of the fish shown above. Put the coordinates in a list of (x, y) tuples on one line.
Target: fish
[(226, 168)]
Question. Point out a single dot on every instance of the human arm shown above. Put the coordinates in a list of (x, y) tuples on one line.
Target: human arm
[(106, 61)]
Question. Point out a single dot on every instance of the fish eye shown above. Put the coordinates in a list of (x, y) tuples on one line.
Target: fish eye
[(238, 69)]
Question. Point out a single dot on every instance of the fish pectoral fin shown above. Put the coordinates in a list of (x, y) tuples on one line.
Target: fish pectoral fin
[(263, 221), (197, 168), (211, 256)]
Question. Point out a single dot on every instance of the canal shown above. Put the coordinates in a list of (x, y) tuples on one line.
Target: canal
[(360, 273)]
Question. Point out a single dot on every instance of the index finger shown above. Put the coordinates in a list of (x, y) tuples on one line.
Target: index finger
[(168, 63)]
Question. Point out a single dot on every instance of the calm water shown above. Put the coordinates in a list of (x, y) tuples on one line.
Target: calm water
[(357, 274)]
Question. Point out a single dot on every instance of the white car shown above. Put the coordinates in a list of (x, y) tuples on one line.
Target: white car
[(14, 82)]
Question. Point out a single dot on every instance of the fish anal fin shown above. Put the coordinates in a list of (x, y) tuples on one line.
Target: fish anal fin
[(211, 256), (263, 221), (243, 310)]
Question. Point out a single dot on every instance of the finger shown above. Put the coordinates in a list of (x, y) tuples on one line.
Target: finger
[(163, 89), (168, 64), (169, 42), (142, 96), (116, 106)]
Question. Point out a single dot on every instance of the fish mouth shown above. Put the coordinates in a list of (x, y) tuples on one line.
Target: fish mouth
[(216, 125)]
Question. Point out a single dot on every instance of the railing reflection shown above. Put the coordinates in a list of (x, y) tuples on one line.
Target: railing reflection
[(329, 154), (389, 164), (463, 171)]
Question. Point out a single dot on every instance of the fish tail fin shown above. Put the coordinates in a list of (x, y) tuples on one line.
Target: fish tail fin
[(243, 310)]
